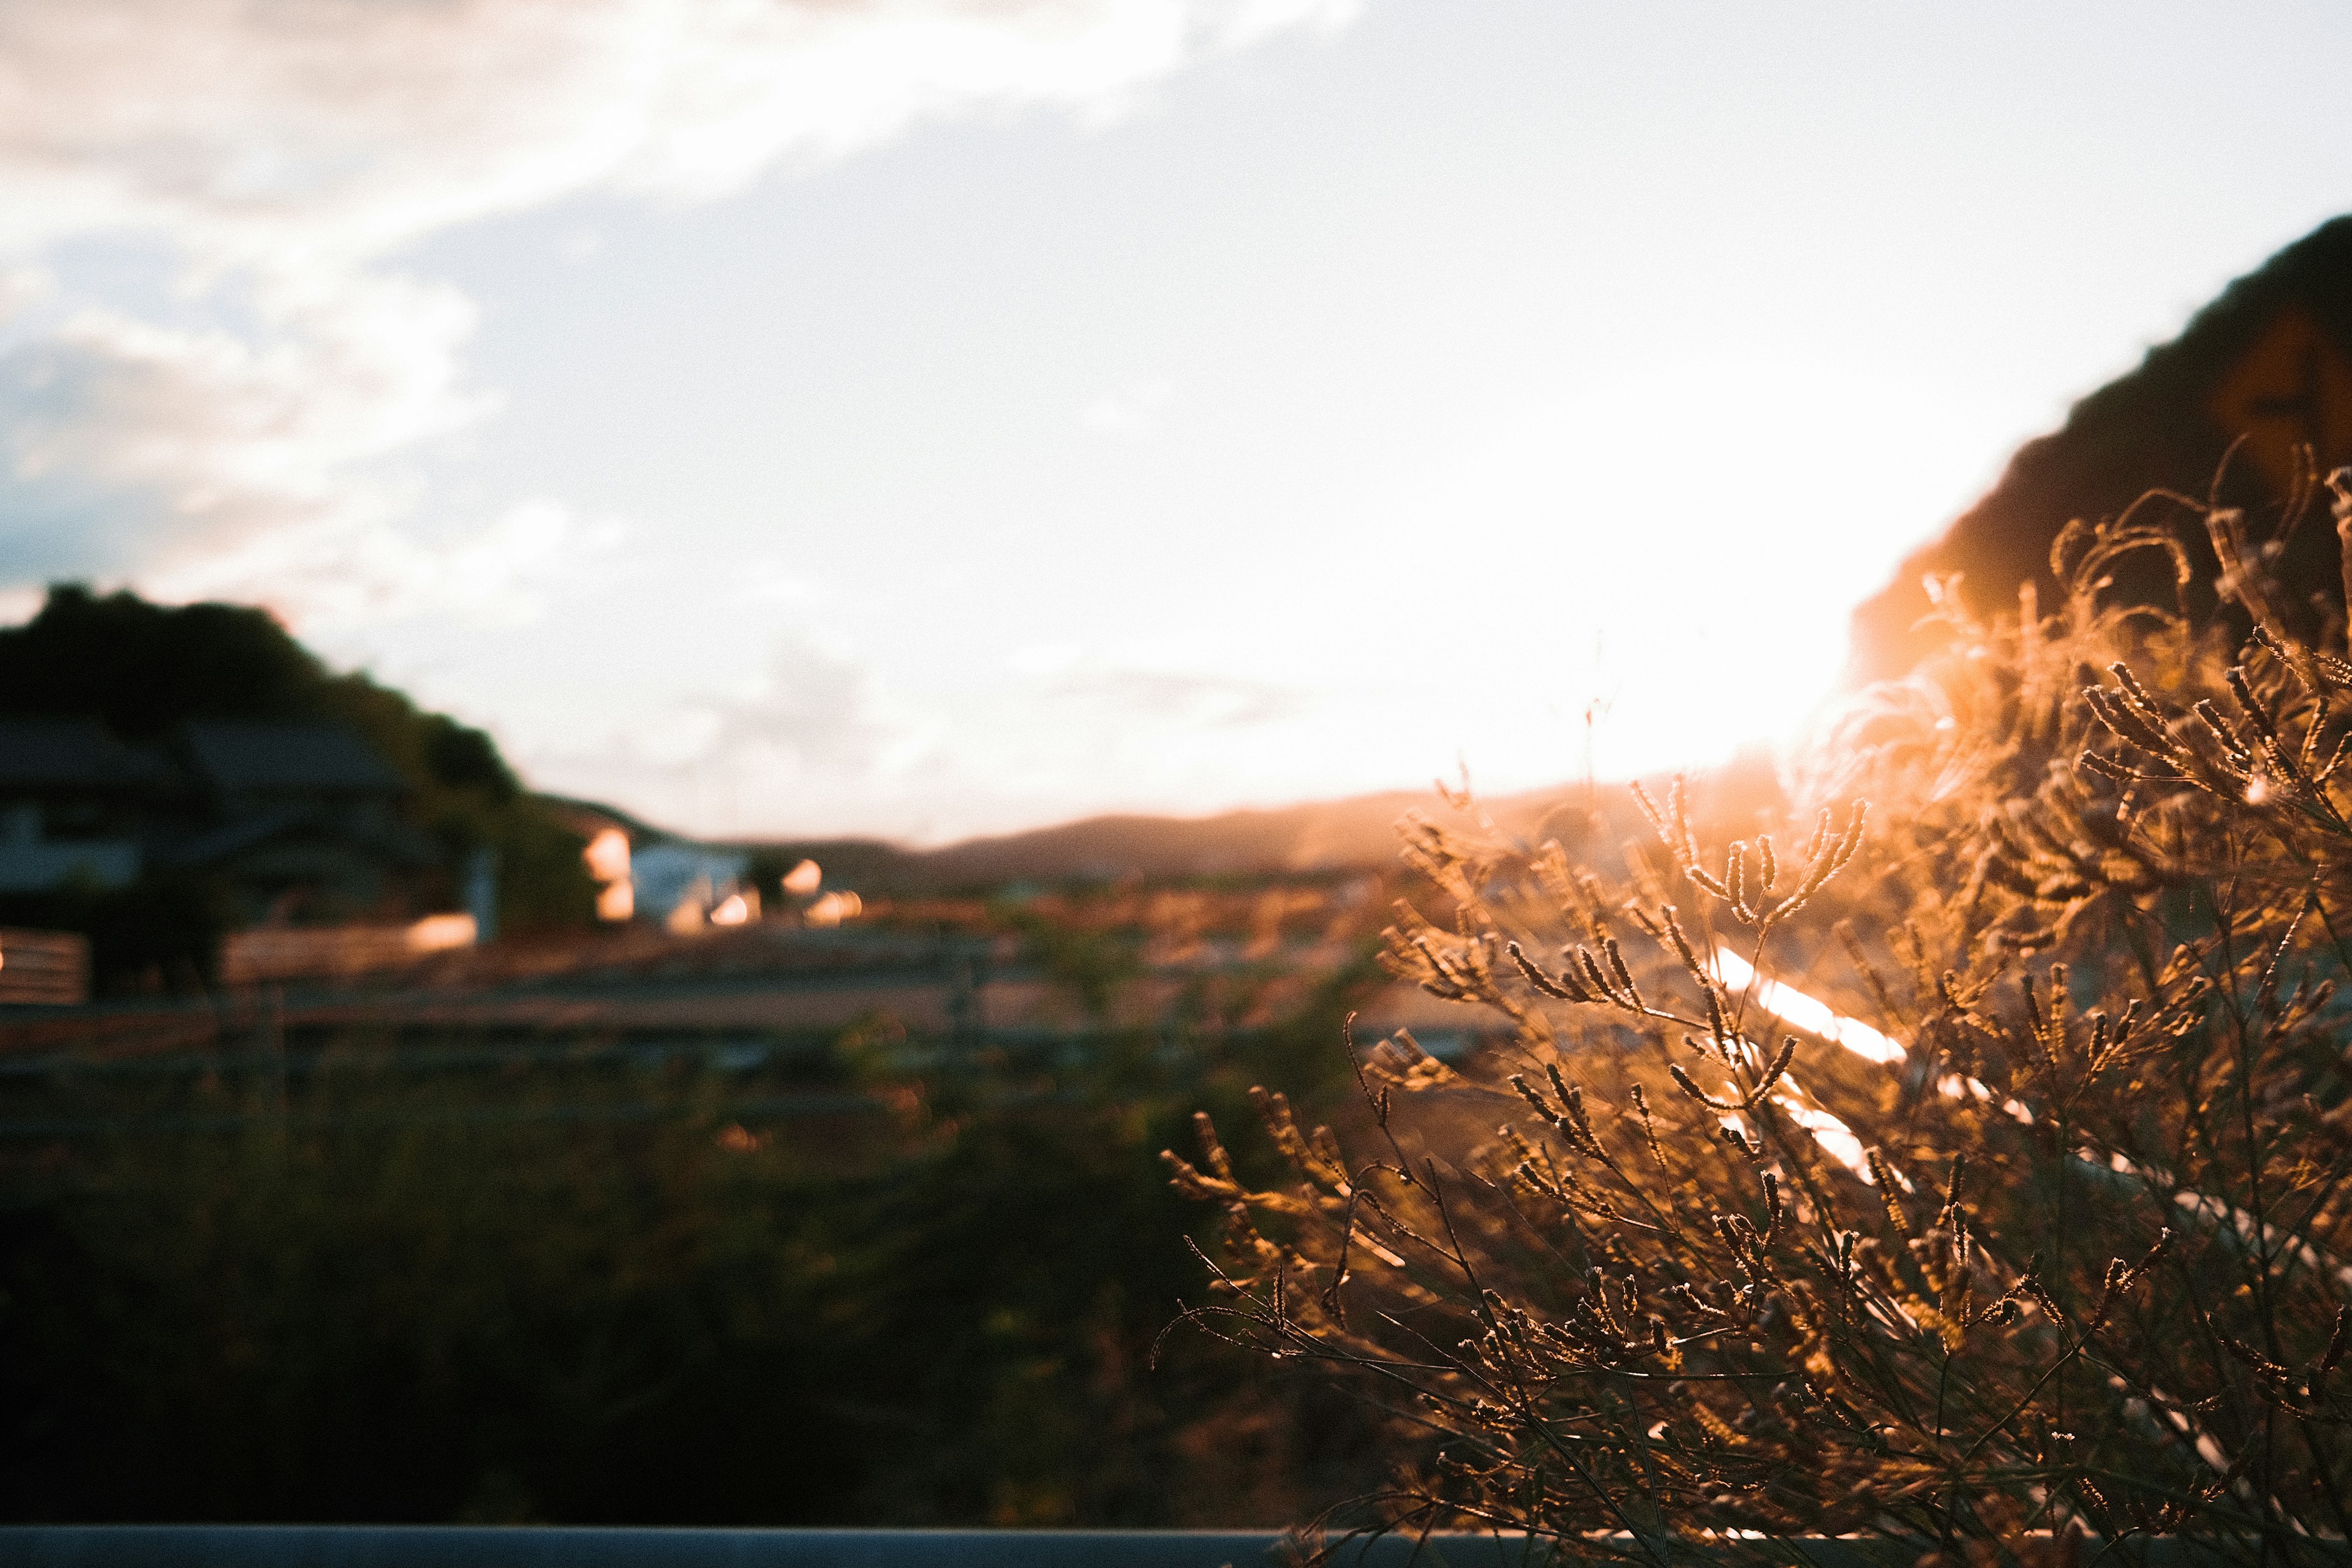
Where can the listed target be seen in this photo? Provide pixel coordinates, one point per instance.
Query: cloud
(820, 743)
(1160, 699)
(353, 125)
(815, 737)
(507, 571)
(21, 289)
(1134, 410)
(817, 711)
(182, 441)
(280, 152)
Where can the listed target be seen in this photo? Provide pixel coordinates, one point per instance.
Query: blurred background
(680, 673)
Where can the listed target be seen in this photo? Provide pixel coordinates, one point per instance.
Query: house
(75, 805)
(645, 873)
(680, 882)
(300, 821)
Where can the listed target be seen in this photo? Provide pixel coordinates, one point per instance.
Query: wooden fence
(43, 968)
(337, 952)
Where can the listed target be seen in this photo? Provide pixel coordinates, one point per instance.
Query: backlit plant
(1958, 1170)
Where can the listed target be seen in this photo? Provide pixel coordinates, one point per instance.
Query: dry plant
(1971, 1178)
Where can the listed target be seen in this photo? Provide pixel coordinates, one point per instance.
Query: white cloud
(210, 419)
(506, 571)
(815, 728)
(279, 152)
(209, 452)
(1134, 410)
(1162, 699)
(347, 126)
(22, 288)
(820, 742)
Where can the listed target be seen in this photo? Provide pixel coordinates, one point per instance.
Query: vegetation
(910, 1281)
(2236, 371)
(1976, 1170)
(422, 1317)
(146, 668)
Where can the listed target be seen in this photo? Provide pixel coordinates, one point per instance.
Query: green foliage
(364, 1297)
(1978, 1171)
(1089, 962)
(146, 667)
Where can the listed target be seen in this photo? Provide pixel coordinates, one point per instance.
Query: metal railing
(367, 1546)
(489, 1546)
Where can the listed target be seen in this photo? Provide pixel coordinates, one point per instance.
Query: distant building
(645, 873)
(680, 883)
(250, 767)
(302, 820)
(75, 805)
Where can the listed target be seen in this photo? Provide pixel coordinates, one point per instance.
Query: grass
(397, 1274)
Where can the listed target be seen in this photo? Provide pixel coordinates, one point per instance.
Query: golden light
(607, 858)
(1678, 556)
(804, 880)
(440, 933)
(1799, 1011)
(616, 902)
(834, 908)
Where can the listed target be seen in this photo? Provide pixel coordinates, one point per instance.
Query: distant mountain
(1326, 837)
(1335, 835)
(1354, 834)
(2269, 361)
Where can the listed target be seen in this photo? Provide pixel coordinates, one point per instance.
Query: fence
(337, 952)
(44, 969)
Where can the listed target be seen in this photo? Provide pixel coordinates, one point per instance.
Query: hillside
(2270, 361)
(1318, 838)
(1322, 836)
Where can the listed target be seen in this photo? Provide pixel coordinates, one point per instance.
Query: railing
(439, 1546)
(362, 1546)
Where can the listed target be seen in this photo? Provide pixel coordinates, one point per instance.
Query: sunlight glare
(1685, 553)
(1799, 1011)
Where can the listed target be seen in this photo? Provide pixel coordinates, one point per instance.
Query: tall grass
(358, 1276)
(1958, 1170)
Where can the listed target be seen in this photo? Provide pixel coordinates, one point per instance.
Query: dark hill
(2269, 361)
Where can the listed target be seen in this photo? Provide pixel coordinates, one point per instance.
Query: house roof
(241, 758)
(71, 753)
(395, 842)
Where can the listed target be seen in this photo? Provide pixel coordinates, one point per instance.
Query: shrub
(1976, 1170)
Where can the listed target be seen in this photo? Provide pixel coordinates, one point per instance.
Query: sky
(935, 417)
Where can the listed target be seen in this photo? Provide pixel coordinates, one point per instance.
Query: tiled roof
(239, 758)
(71, 753)
(395, 842)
